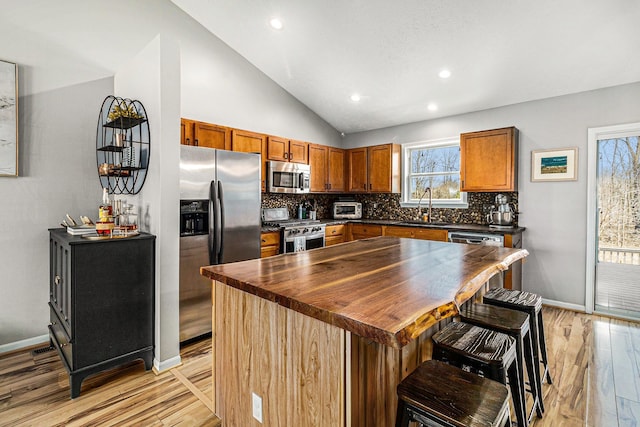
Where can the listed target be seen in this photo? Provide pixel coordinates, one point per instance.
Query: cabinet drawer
(334, 240)
(334, 230)
(267, 251)
(270, 238)
(60, 338)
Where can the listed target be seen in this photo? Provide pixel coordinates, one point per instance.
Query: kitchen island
(323, 337)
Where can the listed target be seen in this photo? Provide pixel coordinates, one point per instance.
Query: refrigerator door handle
(213, 223)
(219, 237)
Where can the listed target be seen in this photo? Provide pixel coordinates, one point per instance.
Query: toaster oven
(347, 210)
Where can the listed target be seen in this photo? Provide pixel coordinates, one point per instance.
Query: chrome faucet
(420, 216)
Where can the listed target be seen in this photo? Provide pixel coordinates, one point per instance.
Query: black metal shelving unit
(123, 145)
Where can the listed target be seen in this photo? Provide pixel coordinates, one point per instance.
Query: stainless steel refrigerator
(219, 223)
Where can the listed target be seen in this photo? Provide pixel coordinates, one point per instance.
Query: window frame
(406, 201)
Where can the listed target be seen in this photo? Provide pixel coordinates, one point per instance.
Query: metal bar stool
(515, 324)
(531, 304)
(484, 352)
(438, 395)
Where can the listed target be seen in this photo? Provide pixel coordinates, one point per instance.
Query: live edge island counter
(323, 337)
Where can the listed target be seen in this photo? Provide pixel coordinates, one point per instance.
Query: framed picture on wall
(554, 165)
(8, 119)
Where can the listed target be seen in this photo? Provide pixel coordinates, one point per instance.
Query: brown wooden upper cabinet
(374, 169)
(287, 150)
(251, 142)
(488, 160)
(201, 134)
(327, 168)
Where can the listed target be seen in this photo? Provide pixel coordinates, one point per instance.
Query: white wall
(68, 53)
(154, 76)
(554, 213)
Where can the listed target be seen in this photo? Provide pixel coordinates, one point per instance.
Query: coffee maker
(501, 214)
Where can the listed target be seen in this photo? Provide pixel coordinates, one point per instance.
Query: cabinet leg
(148, 360)
(75, 382)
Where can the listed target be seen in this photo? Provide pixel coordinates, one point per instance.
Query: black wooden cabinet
(101, 300)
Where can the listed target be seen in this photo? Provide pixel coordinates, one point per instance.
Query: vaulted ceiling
(499, 52)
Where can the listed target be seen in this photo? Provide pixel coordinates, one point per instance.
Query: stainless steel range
(297, 234)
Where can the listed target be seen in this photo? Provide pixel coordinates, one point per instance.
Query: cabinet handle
(64, 344)
(286, 155)
(57, 280)
(195, 142)
(264, 241)
(329, 186)
(188, 141)
(369, 186)
(364, 186)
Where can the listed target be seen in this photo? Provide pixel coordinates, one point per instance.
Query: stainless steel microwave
(347, 210)
(287, 177)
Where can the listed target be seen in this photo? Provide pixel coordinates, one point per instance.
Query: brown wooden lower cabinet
(269, 244)
(334, 234)
(417, 233)
(364, 231)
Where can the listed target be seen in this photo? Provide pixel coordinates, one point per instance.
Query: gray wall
(57, 175)
(553, 212)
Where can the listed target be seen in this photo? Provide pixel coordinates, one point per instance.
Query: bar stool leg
(402, 417)
(534, 375)
(517, 391)
(543, 348)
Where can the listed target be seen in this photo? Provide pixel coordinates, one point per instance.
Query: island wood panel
(293, 362)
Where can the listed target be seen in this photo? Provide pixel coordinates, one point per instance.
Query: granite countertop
(478, 228)
(386, 289)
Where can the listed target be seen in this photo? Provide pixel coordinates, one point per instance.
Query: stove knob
(306, 230)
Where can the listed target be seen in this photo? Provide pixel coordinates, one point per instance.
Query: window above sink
(434, 164)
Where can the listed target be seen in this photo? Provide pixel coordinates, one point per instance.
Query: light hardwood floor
(594, 361)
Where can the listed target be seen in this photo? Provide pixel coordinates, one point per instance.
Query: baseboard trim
(19, 345)
(565, 305)
(159, 366)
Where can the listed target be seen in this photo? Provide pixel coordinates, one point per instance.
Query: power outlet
(257, 407)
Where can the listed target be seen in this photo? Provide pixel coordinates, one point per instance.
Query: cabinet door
(487, 160)
(278, 149)
(336, 170)
(334, 234)
(186, 131)
(298, 152)
(379, 157)
(396, 231)
(358, 170)
(318, 163)
(60, 282)
(251, 142)
(212, 136)
(431, 234)
(364, 231)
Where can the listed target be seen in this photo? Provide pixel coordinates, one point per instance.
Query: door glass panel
(617, 288)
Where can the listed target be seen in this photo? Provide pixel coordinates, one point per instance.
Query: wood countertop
(386, 289)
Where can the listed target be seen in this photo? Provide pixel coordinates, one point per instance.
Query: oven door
(303, 243)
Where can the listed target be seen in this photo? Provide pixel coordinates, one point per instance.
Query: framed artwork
(8, 119)
(554, 165)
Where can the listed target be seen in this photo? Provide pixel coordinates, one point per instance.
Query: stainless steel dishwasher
(487, 239)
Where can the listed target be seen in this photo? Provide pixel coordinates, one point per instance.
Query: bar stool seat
(531, 304)
(437, 394)
(484, 352)
(515, 324)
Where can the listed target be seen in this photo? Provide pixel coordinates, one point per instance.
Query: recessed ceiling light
(444, 74)
(276, 24)
(355, 97)
(432, 107)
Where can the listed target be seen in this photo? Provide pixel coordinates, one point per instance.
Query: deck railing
(619, 255)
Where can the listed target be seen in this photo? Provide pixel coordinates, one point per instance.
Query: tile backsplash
(387, 206)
